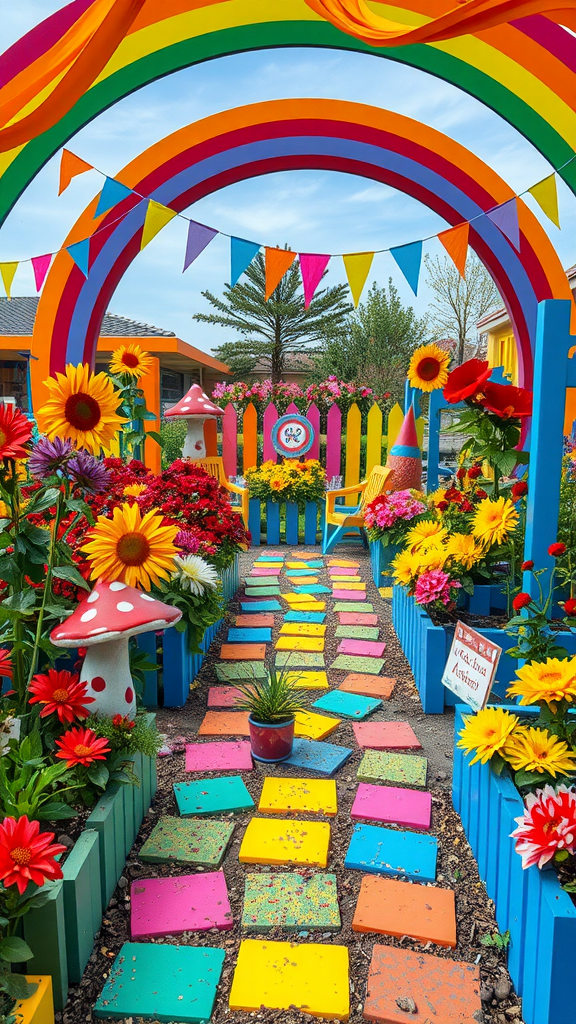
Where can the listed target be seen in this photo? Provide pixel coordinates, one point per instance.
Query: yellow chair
(345, 518)
(214, 466)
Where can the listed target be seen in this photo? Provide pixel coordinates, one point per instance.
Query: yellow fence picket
(353, 432)
(374, 438)
(250, 437)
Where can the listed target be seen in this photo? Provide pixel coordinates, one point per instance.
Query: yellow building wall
(502, 351)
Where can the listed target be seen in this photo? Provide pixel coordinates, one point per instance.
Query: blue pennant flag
(241, 255)
(80, 253)
(409, 257)
(112, 193)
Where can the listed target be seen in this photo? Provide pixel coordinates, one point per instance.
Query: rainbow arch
(281, 135)
(524, 70)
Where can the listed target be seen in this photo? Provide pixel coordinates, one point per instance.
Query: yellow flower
(494, 520)
(537, 750)
(551, 681)
(431, 556)
(437, 496)
(405, 566)
(133, 490)
(425, 532)
(138, 550)
(486, 732)
(82, 407)
(277, 483)
(132, 360)
(464, 549)
(428, 368)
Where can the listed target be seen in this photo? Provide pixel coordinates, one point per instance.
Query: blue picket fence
(282, 522)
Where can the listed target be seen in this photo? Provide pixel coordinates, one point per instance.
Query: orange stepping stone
(390, 907)
(243, 652)
(265, 620)
(368, 686)
(444, 991)
(224, 723)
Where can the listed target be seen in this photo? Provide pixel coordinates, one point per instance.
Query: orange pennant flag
(455, 241)
(278, 261)
(70, 166)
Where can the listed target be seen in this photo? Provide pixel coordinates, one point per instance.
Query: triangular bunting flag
(40, 266)
(505, 217)
(357, 265)
(112, 193)
(80, 253)
(199, 236)
(546, 195)
(409, 257)
(7, 270)
(455, 241)
(312, 266)
(70, 166)
(278, 261)
(157, 216)
(241, 255)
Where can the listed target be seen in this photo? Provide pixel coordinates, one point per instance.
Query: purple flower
(49, 456)
(187, 541)
(88, 473)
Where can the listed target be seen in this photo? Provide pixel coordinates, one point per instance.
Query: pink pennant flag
(312, 266)
(40, 266)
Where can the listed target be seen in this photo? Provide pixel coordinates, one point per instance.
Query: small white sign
(471, 666)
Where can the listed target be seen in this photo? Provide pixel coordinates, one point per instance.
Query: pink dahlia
(548, 825)
(434, 585)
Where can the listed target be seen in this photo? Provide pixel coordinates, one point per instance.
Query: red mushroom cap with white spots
(112, 610)
(194, 403)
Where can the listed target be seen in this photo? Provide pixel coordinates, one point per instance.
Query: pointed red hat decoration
(404, 458)
(406, 443)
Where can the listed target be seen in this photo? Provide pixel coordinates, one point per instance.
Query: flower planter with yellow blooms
(298, 486)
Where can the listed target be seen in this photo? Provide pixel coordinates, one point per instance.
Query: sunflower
(537, 750)
(82, 408)
(494, 520)
(130, 359)
(134, 490)
(486, 732)
(551, 680)
(135, 549)
(424, 533)
(430, 557)
(464, 549)
(405, 566)
(428, 368)
(15, 432)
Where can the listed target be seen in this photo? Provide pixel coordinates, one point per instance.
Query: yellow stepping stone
(305, 680)
(349, 586)
(274, 841)
(343, 563)
(300, 643)
(303, 629)
(313, 796)
(310, 726)
(293, 598)
(317, 606)
(297, 565)
(281, 976)
(346, 579)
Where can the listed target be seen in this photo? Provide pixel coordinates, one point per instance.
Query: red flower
(442, 506)
(5, 663)
(465, 380)
(507, 401)
(122, 722)
(527, 565)
(557, 549)
(26, 856)
(521, 600)
(60, 692)
(548, 825)
(519, 489)
(15, 432)
(480, 493)
(466, 506)
(454, 495)
(461, 473)
(474, 472)
(570, 606)
(82, 746)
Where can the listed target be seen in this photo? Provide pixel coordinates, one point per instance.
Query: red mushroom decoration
(103, 622)
(195, 407)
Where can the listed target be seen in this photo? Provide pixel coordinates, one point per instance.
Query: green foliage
(133, 406)
(489, 438)
(198, 612)
(272, 700)
(30, 785)
(496, 940)
(173, 434)
(142, 737)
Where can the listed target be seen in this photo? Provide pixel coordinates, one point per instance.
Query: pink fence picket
(313, 414)
(230, 440)
(270, 418)
(333, 442)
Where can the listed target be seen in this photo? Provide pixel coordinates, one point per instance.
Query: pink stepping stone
(365, 648)
(258, 570)
(349, 595)
(223, 696)
(386, 735)
(390, 804)
(221, 756)
(336, 570)
(186, 903)
(357, 619)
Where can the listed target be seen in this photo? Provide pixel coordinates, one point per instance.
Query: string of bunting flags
(408, 257)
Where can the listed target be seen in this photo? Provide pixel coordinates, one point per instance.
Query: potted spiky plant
(272, 703)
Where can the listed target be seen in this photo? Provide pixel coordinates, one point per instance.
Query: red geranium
(464, 381)
(521, 600)
(15, 432)
(507, 401)
(527, 565)
(570, 606)
(82, 746)
(557, 549)
(461, 473)
(26, 856)
(480, 493)
(5, 663)
(62, 693)
(519, 489)
(474, 472)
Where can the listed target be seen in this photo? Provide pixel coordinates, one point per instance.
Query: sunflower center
(550, 677)
(129, 359)
(21, 855)
(82, 411)
(81, 751)
(60, 695)
(133, 549)
(428, 368)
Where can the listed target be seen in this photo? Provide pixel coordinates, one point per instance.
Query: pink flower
(548, 825)
(434, 585)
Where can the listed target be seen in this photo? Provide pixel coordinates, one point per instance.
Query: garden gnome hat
(404, 457)
(195, 407)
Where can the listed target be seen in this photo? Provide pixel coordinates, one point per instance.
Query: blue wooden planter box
(531, 904)
(381, 557)
(313, 522)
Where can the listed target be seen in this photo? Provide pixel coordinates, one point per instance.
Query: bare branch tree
(459, 303)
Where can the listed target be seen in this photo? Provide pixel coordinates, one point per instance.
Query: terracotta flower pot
(271, 743)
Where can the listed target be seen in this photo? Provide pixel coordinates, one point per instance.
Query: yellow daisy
(82, 408)
(133, 490)
(131, 359)
(537, 750)
(551, 680)
(431, 556)
(135, 549)
(464, 549)
(404, 567)
(428, 368)
(425, 532)
(494, 521)
(486, 732)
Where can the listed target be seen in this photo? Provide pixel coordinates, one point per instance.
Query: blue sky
(313, 211)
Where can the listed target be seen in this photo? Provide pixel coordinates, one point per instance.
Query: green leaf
(71, 574)
(155, 435)
(56, 811)
(524, 778)
(98, 775)
(15, 950)
(15, 985)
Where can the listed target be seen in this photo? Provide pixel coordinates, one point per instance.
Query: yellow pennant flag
(157, 216)
(546, 195)
(357, 265)
(7, 270)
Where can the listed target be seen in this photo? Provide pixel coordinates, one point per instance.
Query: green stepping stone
(353, 606)
(212, 796)
(240, 670)
(382, 766)
(262, 581)
(261, 591)
(162, 983)
(186, 841)
(299, 659)
(355, 663)
(290, 901)
(357, 632)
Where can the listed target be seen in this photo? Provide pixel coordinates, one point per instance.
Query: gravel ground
(456, 865)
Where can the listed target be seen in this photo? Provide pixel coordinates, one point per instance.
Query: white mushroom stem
(106, 670)
(194, 446)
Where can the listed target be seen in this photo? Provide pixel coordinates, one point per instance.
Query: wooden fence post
(333, 442)
(270, 418)
(230, 440)
(250, 437)
(374, 438)
(313, 414)
(353, 434)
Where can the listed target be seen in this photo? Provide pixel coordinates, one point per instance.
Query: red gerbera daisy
(60, 692)
(5, 663)
(82, 746)
(26, 856)
(465, 380)
(548, 825)
(507, 401)
(15, 432)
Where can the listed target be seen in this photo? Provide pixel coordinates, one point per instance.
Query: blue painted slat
(291, 523)
(315, 519)
(176, 674)
(272, 522)
(254, 521)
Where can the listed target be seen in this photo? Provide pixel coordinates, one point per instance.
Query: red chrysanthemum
(5, 663)
(527, 565)
(60, 693)
(480, 493)
(548, 825)
(465, 380)
(507, 401)
(519, 489)
(521, 600)
(557, 549)
(82, 746)
(474, 472)
(461, 473)
(26, 856)
(15, 432)
(570, 606)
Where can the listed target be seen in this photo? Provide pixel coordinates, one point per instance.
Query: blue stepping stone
(299, 572)
(260, 606)
(293, 616)
(324, 758)
(212, 796)
(312, 588)
(383, 851)
(250, 636)
(348, 705)
(162, 983)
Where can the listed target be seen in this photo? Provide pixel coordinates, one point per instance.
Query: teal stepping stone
(348, 705)
(294, 616)
(225, 673)
(356, 663)
(248, 635)
(162, 983)
(290, 901)
(212, 796)
(268, 558)
(262, 581)
(383, 766)
(357, 632)
(312, 588)
(262, 591)
(299, 659)
(316, 564)
(353, 606)
(315, 756)
(384, 851)
(299, 572)
(185, 841)
(252, 607)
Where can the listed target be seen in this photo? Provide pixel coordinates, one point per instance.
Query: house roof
(17, 316)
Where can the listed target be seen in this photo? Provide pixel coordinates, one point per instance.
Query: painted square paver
(265, 581)
(444, 991)
(385, 851)
(300, 643)
(357, 619)
(380, 766)
(224, 723)
(344, 594)
(243, 652)
(221, 756)
(283, 976)
(343, 563)
(264, 570)
(392, 806)
(297, 600)
(386, 736)
(352, 663)
(298, 616)
(249, 635)
(187, 841)
(368, 685)
(249, 607)
(212, 796)
(302, 629)
(357, 632)
(354, 585)
(186, 903)
(349, 705)
(313, 605)
(281, 841)
(162, 983)
(300, 679)
(297, 573)
(242, 670)
(350, 606)
(299, 659)
(262, 591)
(305, 580)
(339, 570)
(339, 581)
(255, 621)
(390, 907)
(289, 901)
(313, 563)
(224, 697)
(314, 727)
(362, 648)
(311, 796)
(312, 588)
(324, 758)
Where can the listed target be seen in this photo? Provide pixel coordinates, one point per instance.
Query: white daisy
(194, 574)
